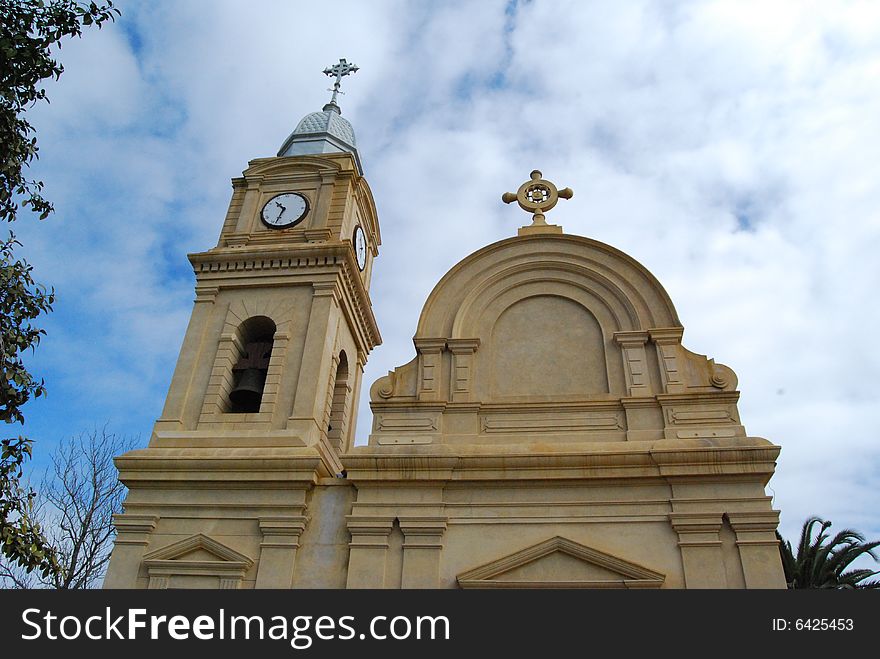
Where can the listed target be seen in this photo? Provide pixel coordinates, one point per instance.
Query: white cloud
(730, 147)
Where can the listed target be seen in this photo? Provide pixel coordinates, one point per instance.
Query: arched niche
(544, 347)
(545, 334)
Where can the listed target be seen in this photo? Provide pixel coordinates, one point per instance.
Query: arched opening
(249, 372)
(338, 403)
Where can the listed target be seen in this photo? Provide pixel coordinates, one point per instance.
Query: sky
(730, 147)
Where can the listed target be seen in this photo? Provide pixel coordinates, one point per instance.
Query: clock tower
(263, 399)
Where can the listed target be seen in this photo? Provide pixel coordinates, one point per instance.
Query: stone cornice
(231, 468)
(712, 396)
(221, 263)
(750, 458)
(407, 404)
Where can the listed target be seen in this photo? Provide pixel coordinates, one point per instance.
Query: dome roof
(327, 121)
(322, 132)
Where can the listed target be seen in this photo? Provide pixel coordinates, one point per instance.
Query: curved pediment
(284, 166)
(609, 283)
(549, 338)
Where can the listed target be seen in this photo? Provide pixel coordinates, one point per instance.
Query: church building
(551, 430)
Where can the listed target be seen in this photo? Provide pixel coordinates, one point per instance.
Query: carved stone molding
(282, 531)
(170, 563)
(369, 531)
(423, 532)
(134, 529)
(614, 571)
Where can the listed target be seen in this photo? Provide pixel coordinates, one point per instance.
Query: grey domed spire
(325, 131)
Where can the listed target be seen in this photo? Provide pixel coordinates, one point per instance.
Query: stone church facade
(551, 430)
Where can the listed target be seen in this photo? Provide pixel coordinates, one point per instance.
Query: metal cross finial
(537, 196)
(339, 70)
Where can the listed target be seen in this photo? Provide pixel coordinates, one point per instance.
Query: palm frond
(854, 576)
(821, 562)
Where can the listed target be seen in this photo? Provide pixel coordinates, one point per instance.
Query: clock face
(284, 210)
(360, 248)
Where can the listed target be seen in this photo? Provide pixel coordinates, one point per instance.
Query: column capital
(423, 532)
(633, 338)
(429, 346)
(329, 289)
(666, 335)
(206, 293)
(134, 529)
(463, 346)
(697, 529)
(282, 531)
(754, 521)
(369, 531)
(131, 523)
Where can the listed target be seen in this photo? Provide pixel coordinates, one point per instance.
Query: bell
(252, 368)
(248, 392)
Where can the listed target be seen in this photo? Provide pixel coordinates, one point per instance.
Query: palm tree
(821, 565)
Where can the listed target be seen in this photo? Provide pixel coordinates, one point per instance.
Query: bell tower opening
(336, 424)
(249, 372)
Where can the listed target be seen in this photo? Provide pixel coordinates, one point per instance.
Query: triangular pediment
(198, 549)
(560, 563)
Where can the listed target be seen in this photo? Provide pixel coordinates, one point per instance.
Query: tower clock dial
(285, 210)
(360, 248)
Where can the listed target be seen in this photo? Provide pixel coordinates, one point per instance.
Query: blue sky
(729, 146)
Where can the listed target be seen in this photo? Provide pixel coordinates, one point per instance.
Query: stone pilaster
(309, 402)
(422, 545)
(462, 381)
(758, 548)
(700, 543)
(132, 537)
(368, 550)
(278, 550)
(635, 362)
(430, 367)
(668, 344)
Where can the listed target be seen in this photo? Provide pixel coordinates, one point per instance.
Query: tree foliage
(21, 536)
(821, 564)
(21, 301)
(31, 28)
(77, 498)
(29, 32)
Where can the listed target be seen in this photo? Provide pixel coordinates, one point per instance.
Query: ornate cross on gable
(537, 196)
